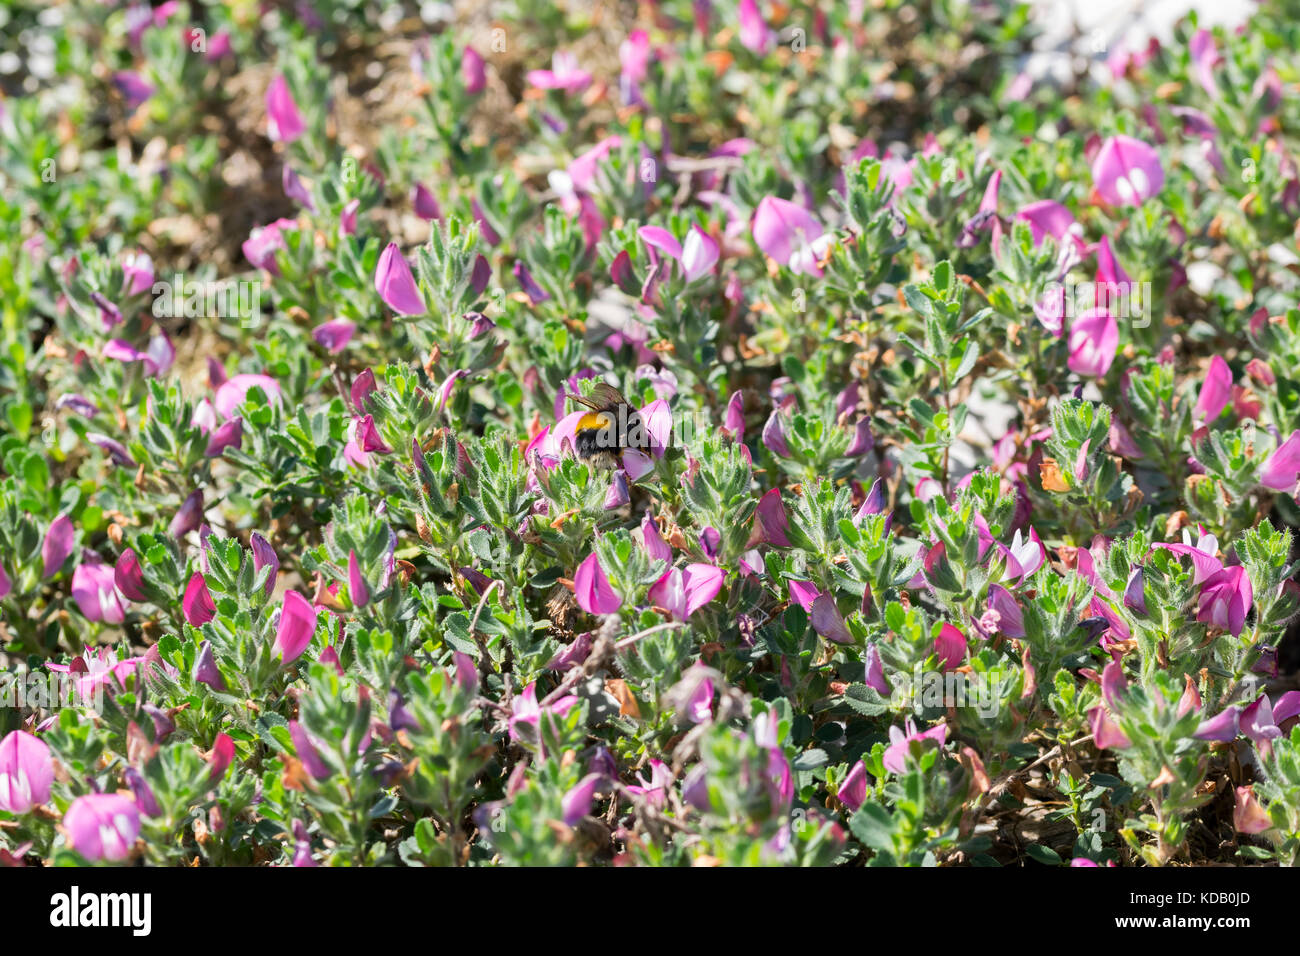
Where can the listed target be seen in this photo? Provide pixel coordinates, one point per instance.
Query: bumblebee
(612, 426)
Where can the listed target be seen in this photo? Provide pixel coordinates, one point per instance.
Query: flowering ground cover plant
(724, 433)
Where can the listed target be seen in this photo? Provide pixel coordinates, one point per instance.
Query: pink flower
(426, 206)
(1247, 814)
(95, 593)
(1094, 339)
(473, 71)
(396, 285)
(102, 826)
(652, 542)
(1026, 554)
(592, 589)
(1281, 469)
(284, 121)
(1127, 172)
(1011, 620)
(634, 60)
(228, 435)
(348, 218)
(26, 772)
(1205, 56)
(1216, 390)
(262, 243)
(772, 520)
(754, 32)
(526, 711)
(564, 74)
(789, 234)
(1225, 598)
(1105, 732)
(128, 576)
(683, 591)
(950, 647)
(576, 803)
(197, 603)
(655, 787)
(137, 273)
(853, 788)
(133, 87)
(900, 743)
(56, 547)
(296, 628)
(232, 392)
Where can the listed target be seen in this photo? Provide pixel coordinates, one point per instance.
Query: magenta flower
(733, 424)
(188, 516)
(284, 121)
(206, 670)
(102, 826)
(576, 803)
(900, 745)
(334, 335)
(94, 591)
(790, 234)
(232, 392)
(950, 647)
(1205, 56)
(774, 435)
(827, 621)
(1127, 172)
(754, 32)
(526, 711)
(295, 189)
(228, 435)
(1258, 722)
(264, 241)
(592, 589)
(634, 61)
(1247, 814)
(1281, 470)
(1216, 390)
(197, 603)
(1223, 727)
(1010, 619)
(296, 628)
(426, 206)
(875, 672)
(473, 71)
(133, 87)
(1026, 555)
(803, 593)
(1105, 732)
(564, 74)
(1225, 598)
(357, 589)
(57, 545)
(308, 754)
(396, 285)
(683, 591)
(1094, 339)
(26, 772)
(655, 787)
(264, 556)
(853, 788)
(772, 521)
(128, 576)
(348, 218)
(652, 542)
(137, 272)
(223, 752)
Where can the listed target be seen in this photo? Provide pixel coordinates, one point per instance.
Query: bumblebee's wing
(603, 396)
